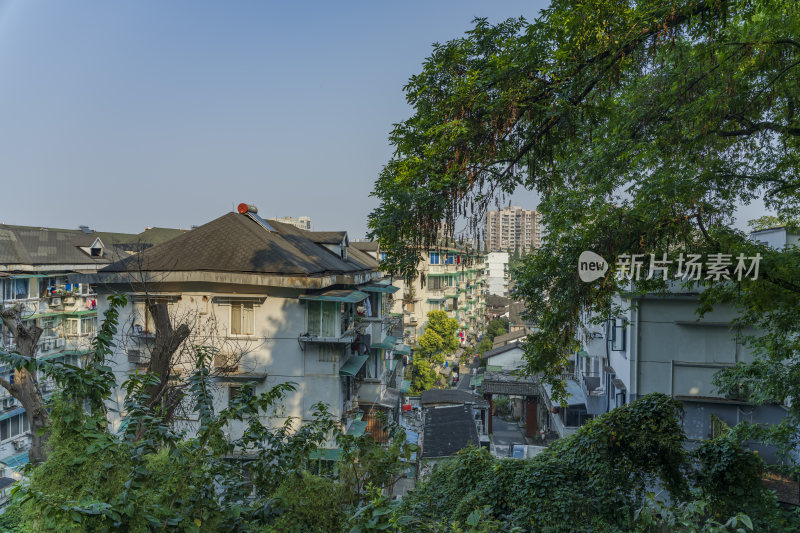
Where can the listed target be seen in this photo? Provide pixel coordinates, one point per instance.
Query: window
(71, 326)
(96, 252)
(233, 393)
(241, 318)
(409, 307)
(616, 334)
(89, 325)
(49, 326)
(382, 256)
(435, 283)
(14, 426)
(321, 318)
(450, 259)
(14, 289)
(344, 253)
(434, 258)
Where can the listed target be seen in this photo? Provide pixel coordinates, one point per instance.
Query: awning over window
(403, 349)
(357, 428)
(390, 289)
(339, 295)
(14, 412)
(387, 343)
(353, 365)
(16, 461)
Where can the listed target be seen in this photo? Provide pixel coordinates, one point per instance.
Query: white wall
(497, 264)
(279, 320)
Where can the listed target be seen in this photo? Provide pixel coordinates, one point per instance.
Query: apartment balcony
(442, 269)
(345, 338)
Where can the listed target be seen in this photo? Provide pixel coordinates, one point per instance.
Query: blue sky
(121, 115)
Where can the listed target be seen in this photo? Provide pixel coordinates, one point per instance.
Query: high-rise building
(512, 229)
(300, 222)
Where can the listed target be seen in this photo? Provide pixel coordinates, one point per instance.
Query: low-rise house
(278, 304)
(448, 429)
(35, 265)
(448, 397)
(505, 357)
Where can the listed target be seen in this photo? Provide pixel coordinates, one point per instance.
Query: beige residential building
(451, 279)
(513, 228)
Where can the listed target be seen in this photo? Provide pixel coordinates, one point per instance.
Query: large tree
(642, 125)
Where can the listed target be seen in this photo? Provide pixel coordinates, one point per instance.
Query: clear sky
(126, 114)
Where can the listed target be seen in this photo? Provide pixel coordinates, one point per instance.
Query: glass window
(241, 318)
(71, 326)
(4, 429)
(329, 315)
(450, 259)
(13, 426)
(435, 282)
(89, 325)
(434, 258)
(321, 317)
(617, 335)
(49, 326)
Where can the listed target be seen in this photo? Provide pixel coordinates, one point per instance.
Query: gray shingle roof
(236, 243)
(454, 396)
(448, 430)
(30, 245)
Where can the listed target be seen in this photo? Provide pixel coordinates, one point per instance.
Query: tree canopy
(439, 338)
(642, 125)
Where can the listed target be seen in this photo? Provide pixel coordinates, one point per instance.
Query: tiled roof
(454, 396)
(236, 243)
(448, 430)
(365, 246)
(502, 349)
(30, 245)
(508, 337)
(509, 383)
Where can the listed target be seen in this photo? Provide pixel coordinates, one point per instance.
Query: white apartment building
(497, 273)
(281, 305)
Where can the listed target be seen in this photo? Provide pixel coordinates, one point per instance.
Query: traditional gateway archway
(509, 384)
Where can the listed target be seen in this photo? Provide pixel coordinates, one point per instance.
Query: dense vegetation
(642, 125)
(601, 478)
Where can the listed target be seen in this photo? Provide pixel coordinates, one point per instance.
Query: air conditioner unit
(19, 444)
(46, 346)
(59, 343)
(226, 363)
(55, 302)
(8, 403)
(135, 357)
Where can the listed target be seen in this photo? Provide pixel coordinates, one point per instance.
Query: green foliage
(484, 346)
(309, 504)
(423, 375)
(643, 126)
(151, 476)
(439, 338)
(594, 480)
(502, 405)
(497, 327)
